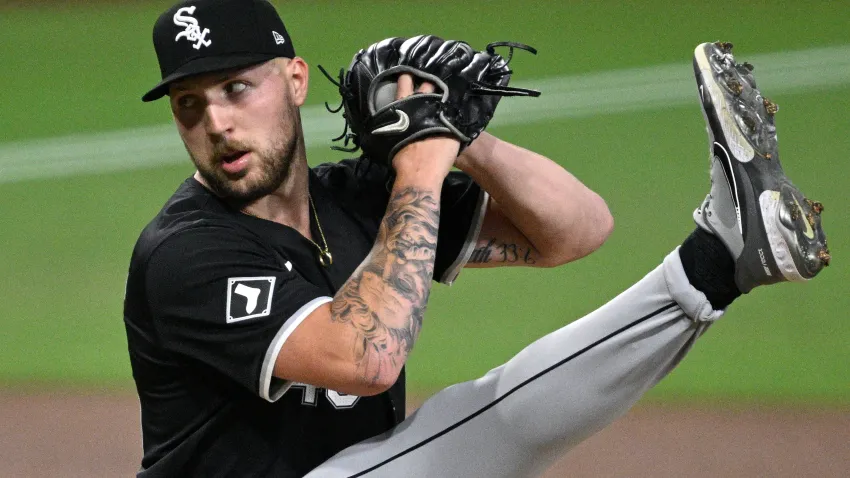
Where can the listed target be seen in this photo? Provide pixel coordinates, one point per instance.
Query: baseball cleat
(772, 231)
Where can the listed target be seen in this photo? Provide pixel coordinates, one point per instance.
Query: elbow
(599, 224)
(373, 390)
(362, 388)
(604, 225)
(367, 383)
(376, 387)
(585, 236)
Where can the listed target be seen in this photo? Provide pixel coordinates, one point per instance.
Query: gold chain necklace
(325, 257)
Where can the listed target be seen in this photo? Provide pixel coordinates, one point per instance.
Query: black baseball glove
(468, 86)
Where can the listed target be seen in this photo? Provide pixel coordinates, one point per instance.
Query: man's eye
(187, 101)
(235, 87)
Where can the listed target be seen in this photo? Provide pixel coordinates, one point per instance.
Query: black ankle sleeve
(709, 268)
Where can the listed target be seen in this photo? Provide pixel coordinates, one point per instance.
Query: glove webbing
(477, 88)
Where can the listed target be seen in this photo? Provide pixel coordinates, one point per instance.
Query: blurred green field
(82, 68)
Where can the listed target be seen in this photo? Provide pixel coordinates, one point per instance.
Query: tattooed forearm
(385, 298)
(504, 252)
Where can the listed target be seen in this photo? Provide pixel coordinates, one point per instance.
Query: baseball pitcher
(271, 306)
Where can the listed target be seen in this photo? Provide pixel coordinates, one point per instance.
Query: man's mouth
(234, 163)
(232, 156)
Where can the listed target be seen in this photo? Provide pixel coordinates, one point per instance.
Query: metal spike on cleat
(824, 256)
(749, 122)
(770, 106)
(810, 217)
(793, 210)
(748, 66)
(724, 46)
(735, 86)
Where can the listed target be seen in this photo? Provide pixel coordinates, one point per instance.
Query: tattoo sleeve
(385, 299)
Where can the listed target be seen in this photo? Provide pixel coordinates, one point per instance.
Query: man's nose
(218, 120)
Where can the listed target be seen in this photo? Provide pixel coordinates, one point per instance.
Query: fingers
(405, 86)
(425, 87)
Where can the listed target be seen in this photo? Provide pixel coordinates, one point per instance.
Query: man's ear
(299, 74)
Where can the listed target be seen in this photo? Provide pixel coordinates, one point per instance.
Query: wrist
(428, 160)
(479, 150)
(419, 178)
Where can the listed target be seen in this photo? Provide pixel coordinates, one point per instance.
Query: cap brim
(205, 65)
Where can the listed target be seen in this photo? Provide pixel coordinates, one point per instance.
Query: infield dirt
(96, 435)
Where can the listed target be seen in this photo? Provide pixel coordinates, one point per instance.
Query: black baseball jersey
(212, 295)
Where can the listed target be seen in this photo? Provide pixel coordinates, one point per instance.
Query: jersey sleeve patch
(249, 298)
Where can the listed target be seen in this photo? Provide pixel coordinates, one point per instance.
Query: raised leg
(520, 417)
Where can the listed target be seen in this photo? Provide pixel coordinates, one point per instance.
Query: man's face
(241, 128)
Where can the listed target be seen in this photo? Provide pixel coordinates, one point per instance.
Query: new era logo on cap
(249, 297)
(278, 38)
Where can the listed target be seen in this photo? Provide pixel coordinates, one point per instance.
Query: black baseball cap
(202, 36)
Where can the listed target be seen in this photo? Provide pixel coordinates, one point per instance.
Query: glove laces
(497, 62)
(346, 94)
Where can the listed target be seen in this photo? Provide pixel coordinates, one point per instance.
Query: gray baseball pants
(519, 418)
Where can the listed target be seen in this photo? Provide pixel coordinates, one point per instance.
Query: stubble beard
(273, 164)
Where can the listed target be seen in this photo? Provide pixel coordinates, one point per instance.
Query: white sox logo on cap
(203, 36)
(193, 31)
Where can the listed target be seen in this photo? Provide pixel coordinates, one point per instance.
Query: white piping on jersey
(465, 253)
(266, 372)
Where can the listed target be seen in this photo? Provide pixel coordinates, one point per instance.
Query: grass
(66, 242)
